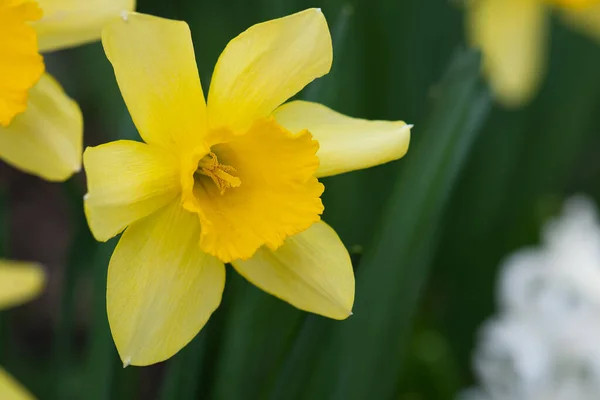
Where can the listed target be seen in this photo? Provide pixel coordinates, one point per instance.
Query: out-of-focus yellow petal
(266, 65)
(68, 23)
(586, 20)
(161, 287)
(512, 36)
(345, 144)
(45, 140)
(312, 271)
(156, 70)
(573, 4)
(19, 283)
(276, 194)
(127, 181)
(20, 63)
(10, 389)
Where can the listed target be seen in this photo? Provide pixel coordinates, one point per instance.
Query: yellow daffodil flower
(229, 180)
(512, 35)
(40, 126)
(19, 283)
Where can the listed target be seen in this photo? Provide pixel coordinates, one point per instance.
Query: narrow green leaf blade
(393, 272)
(352, 363)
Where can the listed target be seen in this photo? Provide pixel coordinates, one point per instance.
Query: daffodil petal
(127, 181)
(10, 389)
(154, 63)
(161, 287)
(587, 20)
(46, 139)
(345, 143)
(312, 271)
(68, 23)
(19, 282)
(267, 64)
(573, 4)
(512, 36)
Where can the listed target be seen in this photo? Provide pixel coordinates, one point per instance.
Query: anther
(223, 176)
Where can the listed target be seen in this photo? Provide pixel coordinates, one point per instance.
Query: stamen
(222, 175)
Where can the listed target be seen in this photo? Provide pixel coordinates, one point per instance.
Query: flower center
(253, 189)
(21, 64)
(223, 176)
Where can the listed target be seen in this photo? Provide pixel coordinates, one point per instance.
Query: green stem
(4, 243)
(81, 251)
(183, 372)
(101, 356)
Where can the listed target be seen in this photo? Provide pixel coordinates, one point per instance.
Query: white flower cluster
(545, 342)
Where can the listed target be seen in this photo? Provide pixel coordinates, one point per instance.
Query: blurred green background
(426, 233)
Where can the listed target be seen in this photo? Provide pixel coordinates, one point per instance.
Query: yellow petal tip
(126, 362)
(350, 314)
(345, 143)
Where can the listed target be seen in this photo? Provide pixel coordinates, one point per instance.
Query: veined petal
(312, 271)
(512, 36)
(68, 23)
(345, 143)
(267, 64)
(156, 70)
(10, 389)
(20, 64)
(19, 282)
(45, 140)
(585, 19)
(127, 181)
(161, 287)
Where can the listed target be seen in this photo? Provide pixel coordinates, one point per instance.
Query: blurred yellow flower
(574, 4)
(513, 35)
(40, 127)
(229, 180)
(19, 283)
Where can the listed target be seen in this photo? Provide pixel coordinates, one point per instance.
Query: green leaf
(101, 354)
(183, 371)
(81, 251)
(353, 363)
(4, 237)
(256, 335)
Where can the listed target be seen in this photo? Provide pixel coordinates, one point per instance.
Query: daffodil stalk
(41, 128)
(233, 179)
